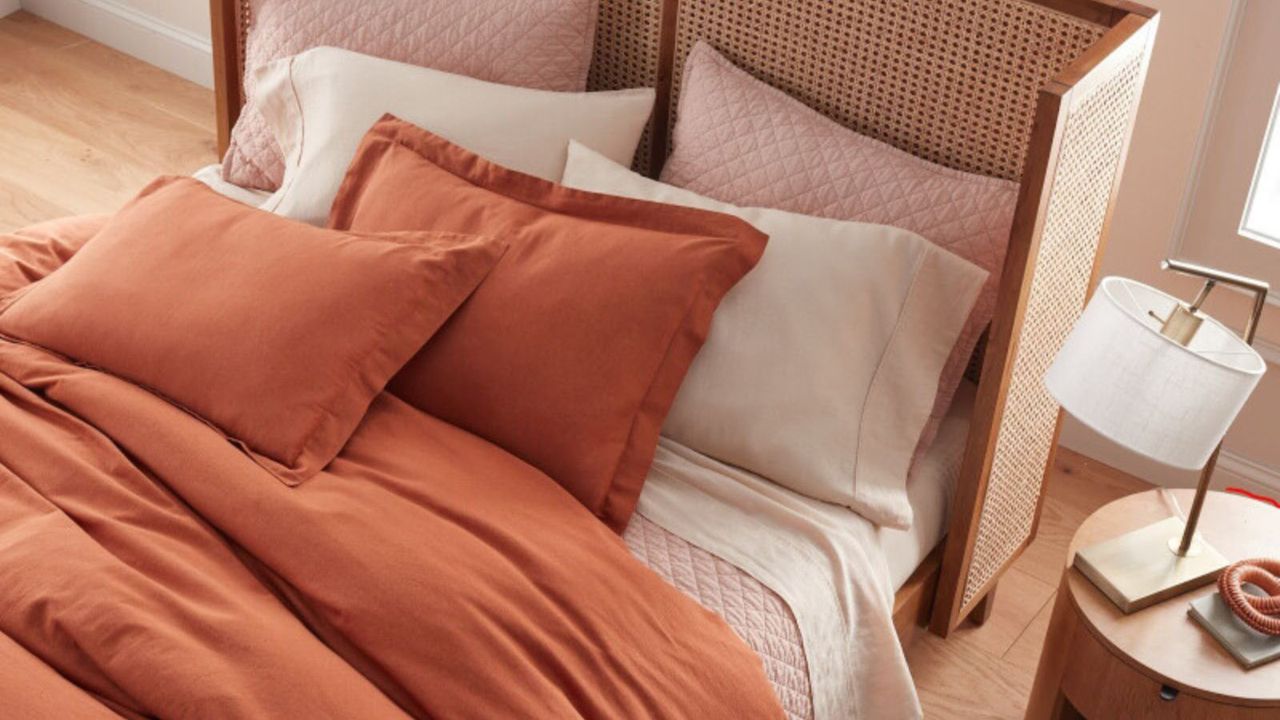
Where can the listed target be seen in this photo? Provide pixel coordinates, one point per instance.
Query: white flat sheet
(211, 175)
(823, 561)
(831, 566)
(930, 489)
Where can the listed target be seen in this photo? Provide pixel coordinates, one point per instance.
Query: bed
(1041, 94)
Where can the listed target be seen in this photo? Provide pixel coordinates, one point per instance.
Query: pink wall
(1208, 95)
(1230, 154)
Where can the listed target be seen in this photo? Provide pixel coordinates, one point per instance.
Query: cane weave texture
(951, 81)
(1097, 128)
(628, 41)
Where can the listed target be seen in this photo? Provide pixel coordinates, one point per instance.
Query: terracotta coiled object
(1262, 613)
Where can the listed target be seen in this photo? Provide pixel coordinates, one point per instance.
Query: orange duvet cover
(148, 568)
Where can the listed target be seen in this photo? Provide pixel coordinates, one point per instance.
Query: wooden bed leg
(982, 611)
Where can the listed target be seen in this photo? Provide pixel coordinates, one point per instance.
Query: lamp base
(1141, 568)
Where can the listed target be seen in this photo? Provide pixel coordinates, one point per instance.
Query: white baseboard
(171, 48)
(1232, 468)
(1242, 472)
(8, 7)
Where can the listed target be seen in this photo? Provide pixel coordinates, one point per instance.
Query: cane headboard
(1039, 91)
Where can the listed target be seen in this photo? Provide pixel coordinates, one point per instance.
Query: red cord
(1259, 498)
(1260, 613)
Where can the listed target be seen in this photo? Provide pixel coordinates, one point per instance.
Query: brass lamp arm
(1182, 326)
(1258, 288)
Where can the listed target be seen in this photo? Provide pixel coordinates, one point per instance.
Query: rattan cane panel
(244, 16)
(952, 81)
(1092, 148)
(628, 41)
(973, 371)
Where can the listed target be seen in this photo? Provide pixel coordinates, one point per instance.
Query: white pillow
(822, 363)
(320, 103)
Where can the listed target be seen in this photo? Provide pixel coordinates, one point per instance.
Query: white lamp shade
(1117, 374)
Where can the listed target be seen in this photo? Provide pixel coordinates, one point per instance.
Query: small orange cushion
(570, 353)
(277, 333)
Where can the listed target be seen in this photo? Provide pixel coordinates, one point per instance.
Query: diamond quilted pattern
(755, 612)
(741, 141)
(543, 44)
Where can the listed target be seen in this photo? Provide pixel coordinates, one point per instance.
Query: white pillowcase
(822, 363)
(320, 103)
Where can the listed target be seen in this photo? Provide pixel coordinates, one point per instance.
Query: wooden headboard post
(1039, 91)
(225, 17)
(659, 128)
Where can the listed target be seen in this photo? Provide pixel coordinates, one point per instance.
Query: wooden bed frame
(1043, 92)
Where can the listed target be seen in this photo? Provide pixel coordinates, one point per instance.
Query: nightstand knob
(1168, 694)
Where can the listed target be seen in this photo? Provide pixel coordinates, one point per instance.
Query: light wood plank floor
(83, 127)
(986, 672)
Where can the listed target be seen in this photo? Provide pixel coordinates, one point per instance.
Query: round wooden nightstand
(1156, 663)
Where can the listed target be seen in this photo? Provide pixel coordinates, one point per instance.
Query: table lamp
(1159, 377)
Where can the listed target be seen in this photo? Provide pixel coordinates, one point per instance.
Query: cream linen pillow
(739, 140)
(320, 103)
(822, 363)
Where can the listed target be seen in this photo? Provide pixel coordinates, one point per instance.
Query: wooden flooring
(986, 672)
(82, 127)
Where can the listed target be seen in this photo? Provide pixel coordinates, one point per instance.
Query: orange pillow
(570, 353)
(277, 333)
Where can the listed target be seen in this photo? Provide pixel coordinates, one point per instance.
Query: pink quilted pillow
(741, 141)
(543, 44)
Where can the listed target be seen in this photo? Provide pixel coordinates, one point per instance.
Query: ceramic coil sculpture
(1262, 613)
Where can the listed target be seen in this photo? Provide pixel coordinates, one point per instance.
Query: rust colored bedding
(570, 353)
(33, 252)
(150, 568)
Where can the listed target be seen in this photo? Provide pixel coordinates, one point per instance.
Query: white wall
(1231, 152)
(1197, 108)
(171, 34)
(191, 16)
(9, 6)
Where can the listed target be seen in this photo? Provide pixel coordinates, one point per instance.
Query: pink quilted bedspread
(754, 611)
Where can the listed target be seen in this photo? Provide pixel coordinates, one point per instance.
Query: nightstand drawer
(1101, 686)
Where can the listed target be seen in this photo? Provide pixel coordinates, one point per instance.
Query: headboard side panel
(952, 81)
(1084, 129)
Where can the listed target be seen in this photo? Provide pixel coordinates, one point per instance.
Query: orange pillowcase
(570, 353)
(277, 333)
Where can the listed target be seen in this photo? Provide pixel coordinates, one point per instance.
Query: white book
(1248, 646)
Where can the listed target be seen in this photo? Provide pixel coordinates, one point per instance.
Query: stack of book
(1248, 646)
